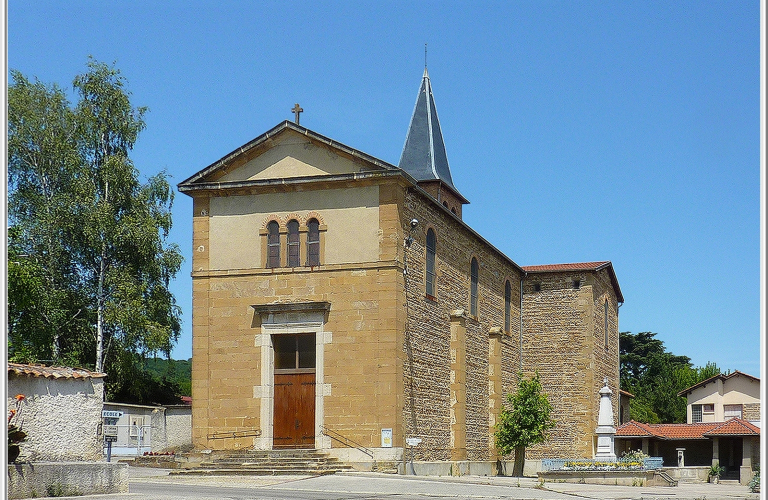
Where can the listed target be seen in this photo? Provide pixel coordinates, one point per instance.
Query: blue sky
(579, 131)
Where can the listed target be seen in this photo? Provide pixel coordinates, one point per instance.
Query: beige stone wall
(391, 356)
(430, 407)
(289, 155)
(362, 380)
(564, 341)
(351, 217)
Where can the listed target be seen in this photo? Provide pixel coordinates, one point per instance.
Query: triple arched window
(301, 241)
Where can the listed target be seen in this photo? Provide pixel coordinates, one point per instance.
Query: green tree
(656, 376)
(524, 421)
(92, 235)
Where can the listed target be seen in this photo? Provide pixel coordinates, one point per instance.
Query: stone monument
(605, 429)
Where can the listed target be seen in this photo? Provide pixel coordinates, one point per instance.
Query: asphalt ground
(158, 484)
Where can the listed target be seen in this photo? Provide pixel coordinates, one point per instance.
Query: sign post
(109, 429)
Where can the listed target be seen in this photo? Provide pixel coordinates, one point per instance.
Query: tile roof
(55, 372)
(576, 266)
(704, 430)
(580, 266)
(734, 427)
(723, 377)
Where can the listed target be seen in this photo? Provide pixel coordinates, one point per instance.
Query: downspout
(525, 274)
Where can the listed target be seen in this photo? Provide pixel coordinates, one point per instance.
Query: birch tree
(110, 228)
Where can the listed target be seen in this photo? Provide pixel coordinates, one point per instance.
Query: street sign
(413, 441)
(110, 430)
(111, 414)
(110, 439)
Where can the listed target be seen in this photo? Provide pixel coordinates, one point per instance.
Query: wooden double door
(294, 383)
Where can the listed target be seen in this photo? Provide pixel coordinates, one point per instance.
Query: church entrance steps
(267, 463)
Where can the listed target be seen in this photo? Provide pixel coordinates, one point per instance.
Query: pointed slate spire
(424, 155)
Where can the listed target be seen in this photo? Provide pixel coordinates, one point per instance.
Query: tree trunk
(517, 470)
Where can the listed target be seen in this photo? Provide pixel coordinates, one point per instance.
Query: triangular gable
(287, 151)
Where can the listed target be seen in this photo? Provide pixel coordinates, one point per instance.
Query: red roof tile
(54, 372)
(577, 266)
(733, 427)
(634, 429)
(580, 266)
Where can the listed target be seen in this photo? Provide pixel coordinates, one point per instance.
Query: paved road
(157, 484)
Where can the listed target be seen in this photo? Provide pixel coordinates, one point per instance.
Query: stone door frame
(290, 319)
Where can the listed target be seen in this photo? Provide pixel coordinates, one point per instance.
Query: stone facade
(388, 355)
(564, 341)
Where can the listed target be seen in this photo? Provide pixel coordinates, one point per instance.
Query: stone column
(495, 397)
(745, 472)
(605, 429)
(458, 387)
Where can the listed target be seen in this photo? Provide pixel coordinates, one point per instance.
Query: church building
(340, 303)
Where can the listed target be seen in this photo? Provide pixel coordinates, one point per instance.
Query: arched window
(474, 273)
(507, 306)
(293, 244)
(313, 243)
(273, 244)
(605, 327)
(431, 251)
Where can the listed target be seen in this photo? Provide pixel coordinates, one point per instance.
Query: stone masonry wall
(564, 342)
(428, 359)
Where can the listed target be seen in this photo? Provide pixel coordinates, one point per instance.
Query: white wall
(60, 416)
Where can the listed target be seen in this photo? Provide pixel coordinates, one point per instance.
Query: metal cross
(297, 110)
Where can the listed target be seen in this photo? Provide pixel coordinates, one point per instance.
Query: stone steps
(267, 463)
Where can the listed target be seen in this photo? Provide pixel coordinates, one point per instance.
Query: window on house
(293, 244)
(431, 251)
(273, 244)
(731, 411)
(313, 243)
(135, 424)
(708, 408)
(474, 276)
(576, 284)
(537, 287)
(507, 306)
(695, 414)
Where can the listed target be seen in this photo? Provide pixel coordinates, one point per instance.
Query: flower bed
(602, 466)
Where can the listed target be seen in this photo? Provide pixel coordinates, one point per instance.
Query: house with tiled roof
(60, 411)
(724, 396)
(723, 428)
(339, 298)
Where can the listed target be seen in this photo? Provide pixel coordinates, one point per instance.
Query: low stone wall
(56, 479)
(457, 468)
(614, 478)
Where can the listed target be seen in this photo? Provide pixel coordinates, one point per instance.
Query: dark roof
(54, 372)
(720, 376)
(580, 266)
(704, 430)
(424, 156)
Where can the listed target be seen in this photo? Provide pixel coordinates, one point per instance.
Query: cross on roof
(297, 110)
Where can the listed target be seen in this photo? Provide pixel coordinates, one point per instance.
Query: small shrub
(754, 483)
